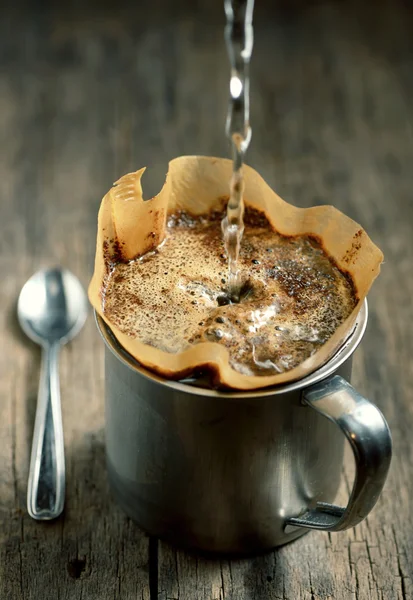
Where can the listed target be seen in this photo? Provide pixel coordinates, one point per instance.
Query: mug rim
(343, 353)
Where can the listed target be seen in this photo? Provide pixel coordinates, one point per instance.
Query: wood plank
(54, 170)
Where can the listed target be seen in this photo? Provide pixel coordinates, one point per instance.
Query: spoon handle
(46, 486)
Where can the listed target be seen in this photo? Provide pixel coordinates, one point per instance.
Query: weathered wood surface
(89, 91)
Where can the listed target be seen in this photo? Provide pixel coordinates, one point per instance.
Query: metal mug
(240, 472)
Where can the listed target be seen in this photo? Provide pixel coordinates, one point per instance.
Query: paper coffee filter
(129, 227)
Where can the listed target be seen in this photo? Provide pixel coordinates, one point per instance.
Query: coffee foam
(131, 229)
(293, 301)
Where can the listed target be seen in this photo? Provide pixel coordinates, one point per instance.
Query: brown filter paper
(128, 227)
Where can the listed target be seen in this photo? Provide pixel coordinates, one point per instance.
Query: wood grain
(90, 92)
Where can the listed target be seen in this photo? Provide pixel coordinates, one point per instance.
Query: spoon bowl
(52, 306)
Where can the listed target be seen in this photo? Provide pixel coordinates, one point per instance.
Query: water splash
(239, 38)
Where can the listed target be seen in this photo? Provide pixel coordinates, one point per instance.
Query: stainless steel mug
(240, 472)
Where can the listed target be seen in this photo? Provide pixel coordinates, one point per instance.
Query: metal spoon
(52, 309)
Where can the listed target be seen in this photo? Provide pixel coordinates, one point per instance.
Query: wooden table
(89, 93)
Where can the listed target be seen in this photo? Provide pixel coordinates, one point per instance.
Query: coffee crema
(293, 296)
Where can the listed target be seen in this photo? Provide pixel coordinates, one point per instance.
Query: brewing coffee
(160, 278)
(292, 298)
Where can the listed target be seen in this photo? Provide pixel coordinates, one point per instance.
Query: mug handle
(368, 433)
